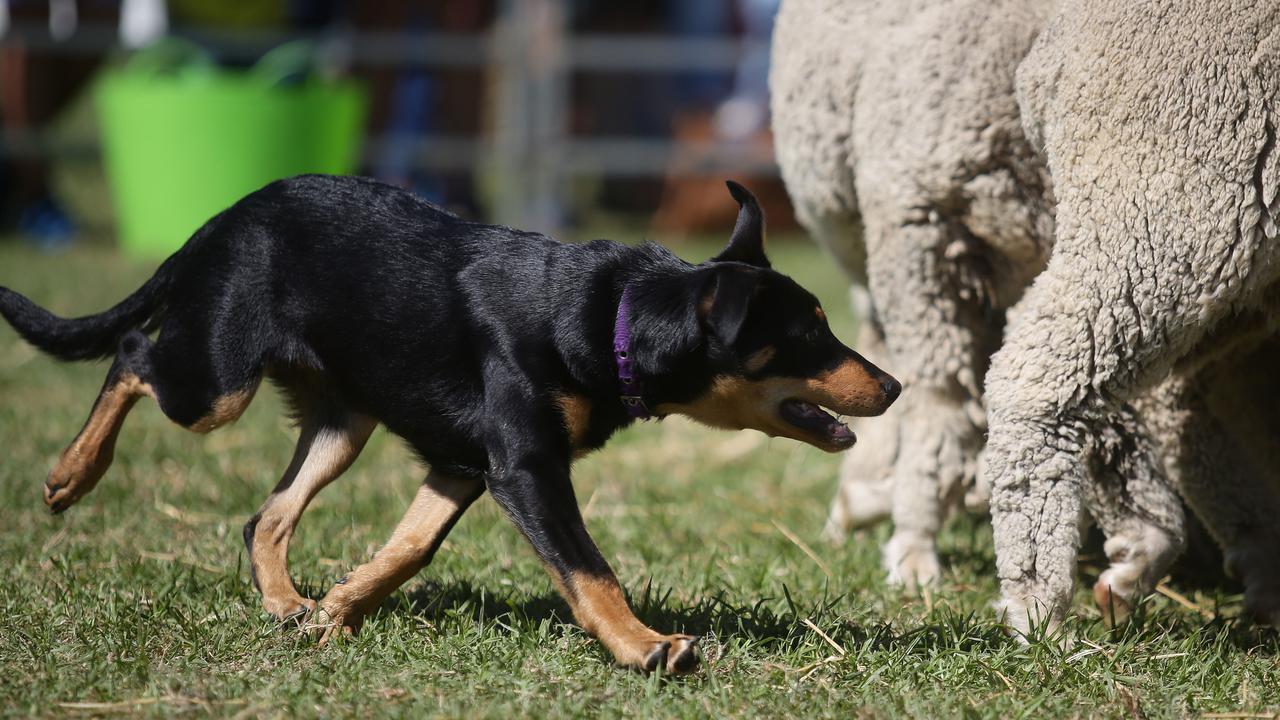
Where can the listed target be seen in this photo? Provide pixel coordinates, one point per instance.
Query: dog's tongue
(806, 410)
(812, 417)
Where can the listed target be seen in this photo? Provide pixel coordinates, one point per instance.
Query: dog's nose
(892, 389)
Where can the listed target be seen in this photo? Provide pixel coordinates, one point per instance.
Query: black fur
(458, 336)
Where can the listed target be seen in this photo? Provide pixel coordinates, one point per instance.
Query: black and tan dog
(499, 355)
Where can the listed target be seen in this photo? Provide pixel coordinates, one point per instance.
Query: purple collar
(632, 394)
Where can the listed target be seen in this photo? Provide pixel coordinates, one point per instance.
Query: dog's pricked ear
(746, 245)
(726, 300)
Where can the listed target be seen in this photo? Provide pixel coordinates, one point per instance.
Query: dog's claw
(57, 504)
(686, 659)
(324, 626)
(298, 615)
(657, 658)
(674, 655)
(288, 609)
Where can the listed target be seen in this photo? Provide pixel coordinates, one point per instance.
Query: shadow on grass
(774, 624)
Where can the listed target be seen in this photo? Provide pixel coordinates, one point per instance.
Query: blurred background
(133, 121)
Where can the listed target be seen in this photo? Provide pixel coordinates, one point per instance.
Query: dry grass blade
(53, 541)
(812, 668)
(186, 517)
(1184, 601)
(804, 547)
(824, 636)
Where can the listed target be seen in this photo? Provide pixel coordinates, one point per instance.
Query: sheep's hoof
(911, 564)
(1114, 606)
(1025, 617)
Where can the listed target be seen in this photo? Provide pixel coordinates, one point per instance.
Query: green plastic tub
(183, 139)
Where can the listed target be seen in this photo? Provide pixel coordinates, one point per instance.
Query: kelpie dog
(499, 355)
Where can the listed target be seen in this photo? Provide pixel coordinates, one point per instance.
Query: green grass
(137, 600)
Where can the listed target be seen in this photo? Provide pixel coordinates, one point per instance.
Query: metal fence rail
(528, 148)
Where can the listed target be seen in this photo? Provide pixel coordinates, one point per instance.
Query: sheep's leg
(1219, 430)
(1141, 275)
(1035, 505)
(1137, 508)
(865, 493)
(1068, 350)
(933, 300)
(939, 442)
(1070, 355)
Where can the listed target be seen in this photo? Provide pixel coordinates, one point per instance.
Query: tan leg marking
(226, 409)
(322, 455)
(600, 608)
(576, 411)
(86, 460)
(439, 503)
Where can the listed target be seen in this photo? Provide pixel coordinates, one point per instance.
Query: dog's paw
(326, 624)
(646, 651)
(672, 655)
(289, 609)
(71, 479)
(911, 563)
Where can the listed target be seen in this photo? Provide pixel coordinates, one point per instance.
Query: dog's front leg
(529, 479)
(538, 497)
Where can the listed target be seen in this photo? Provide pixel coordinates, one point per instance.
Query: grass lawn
(138, 600)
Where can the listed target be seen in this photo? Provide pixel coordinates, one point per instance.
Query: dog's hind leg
(326, 448)
(440, 501)
(87, 458)
(188, 389)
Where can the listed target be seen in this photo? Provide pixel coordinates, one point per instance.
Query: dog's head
(753, 349)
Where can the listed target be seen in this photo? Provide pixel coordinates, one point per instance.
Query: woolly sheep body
(1158, 126)
(847, 121)
(901, 118)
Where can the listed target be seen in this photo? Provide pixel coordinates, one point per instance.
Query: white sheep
(904, 117)
(1157, 121)
(899, 139)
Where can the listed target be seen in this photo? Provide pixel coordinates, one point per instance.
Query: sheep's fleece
(904, 116)
(957, 215)
(901, 117)
(1158, 123)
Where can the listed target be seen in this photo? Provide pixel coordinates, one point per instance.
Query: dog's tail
(93, 336)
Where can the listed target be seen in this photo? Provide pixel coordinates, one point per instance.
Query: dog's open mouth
(813, 419)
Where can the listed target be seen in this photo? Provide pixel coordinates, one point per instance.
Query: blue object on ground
(46, 225)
